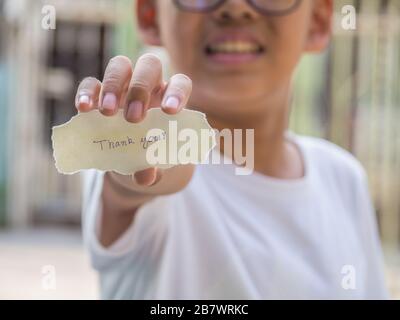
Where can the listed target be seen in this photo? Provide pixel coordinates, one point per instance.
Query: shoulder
(330, 159)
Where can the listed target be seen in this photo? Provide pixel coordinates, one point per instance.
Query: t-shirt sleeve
(375, 279)
(134, 239)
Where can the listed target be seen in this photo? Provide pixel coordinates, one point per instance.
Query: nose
(235, 11)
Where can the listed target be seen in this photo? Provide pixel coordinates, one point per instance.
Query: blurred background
(349, 95)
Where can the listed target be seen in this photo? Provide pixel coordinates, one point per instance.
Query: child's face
(236, 81)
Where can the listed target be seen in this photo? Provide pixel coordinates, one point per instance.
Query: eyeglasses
(265, 7)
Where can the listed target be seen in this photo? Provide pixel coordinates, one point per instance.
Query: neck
(274, 155)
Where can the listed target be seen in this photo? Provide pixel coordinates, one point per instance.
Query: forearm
(121, 198)
(119, 205)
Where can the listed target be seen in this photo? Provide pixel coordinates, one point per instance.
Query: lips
(234, 47)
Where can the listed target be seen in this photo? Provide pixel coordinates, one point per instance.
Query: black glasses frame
(250, 2)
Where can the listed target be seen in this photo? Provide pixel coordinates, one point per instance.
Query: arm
(121, 199)
(135, 90)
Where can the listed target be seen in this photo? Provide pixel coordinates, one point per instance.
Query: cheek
(288, 43)
(179, 36)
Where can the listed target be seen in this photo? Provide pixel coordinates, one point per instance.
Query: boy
(300, 227)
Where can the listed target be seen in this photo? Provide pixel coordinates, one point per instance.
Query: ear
(320, 29)
(147, 22)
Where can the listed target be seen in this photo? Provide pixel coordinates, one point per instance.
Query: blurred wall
(4, 74)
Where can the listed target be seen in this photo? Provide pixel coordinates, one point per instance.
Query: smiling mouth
(234, 48)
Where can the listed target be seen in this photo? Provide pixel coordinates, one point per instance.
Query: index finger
(87, 95)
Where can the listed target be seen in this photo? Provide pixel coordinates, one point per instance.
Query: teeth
(235, 47)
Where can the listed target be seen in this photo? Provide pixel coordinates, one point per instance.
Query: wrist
(119, 193)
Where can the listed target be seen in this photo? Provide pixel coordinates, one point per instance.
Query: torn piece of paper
(93, 141)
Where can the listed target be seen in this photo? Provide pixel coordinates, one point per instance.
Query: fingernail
(135, 110)
(109, 102)
(172, 102)
(84, 99)
(153, 180)
(143, 178)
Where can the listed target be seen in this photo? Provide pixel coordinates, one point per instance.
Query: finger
(116, 80)
(147, 177)
(146, 81)
(87, 95)
(177, 93)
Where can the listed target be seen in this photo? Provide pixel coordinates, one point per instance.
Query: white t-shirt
(247, 237)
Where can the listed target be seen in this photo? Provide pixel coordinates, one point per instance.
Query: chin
(236, 95)
(232, 102)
